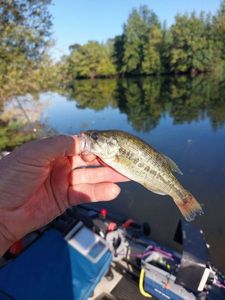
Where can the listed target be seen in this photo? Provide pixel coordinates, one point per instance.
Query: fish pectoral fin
(152, 189)
(174, 167)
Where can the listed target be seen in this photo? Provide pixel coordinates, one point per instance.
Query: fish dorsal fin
(174, 167)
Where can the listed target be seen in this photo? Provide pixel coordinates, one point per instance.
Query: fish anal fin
(159, 193)
(152, 189)
(174, 167)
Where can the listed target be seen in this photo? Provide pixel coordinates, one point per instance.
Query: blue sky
(77, 21)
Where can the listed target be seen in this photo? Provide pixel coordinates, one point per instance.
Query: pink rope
(154, 249)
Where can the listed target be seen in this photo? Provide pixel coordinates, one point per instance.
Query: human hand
(41, 179)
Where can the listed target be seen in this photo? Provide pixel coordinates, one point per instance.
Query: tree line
(193, 44)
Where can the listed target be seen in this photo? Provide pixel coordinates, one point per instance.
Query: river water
(181, 117)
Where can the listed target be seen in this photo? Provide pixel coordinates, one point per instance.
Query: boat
(88, 253)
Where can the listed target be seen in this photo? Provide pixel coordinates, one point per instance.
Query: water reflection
(96, 94)
(181, 117)
(141, 101)
(20, 121)
(146, 100)
(197, 98)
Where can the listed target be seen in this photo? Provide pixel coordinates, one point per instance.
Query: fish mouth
(85, 146)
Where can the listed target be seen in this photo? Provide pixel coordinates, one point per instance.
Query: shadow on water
(181, 117)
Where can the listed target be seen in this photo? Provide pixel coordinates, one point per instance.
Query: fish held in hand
(140, 162)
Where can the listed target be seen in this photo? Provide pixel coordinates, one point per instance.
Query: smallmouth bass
(140, 162)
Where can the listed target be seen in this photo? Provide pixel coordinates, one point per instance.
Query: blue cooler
(52, 268)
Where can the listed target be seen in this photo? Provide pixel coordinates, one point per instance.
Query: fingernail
(115, 190)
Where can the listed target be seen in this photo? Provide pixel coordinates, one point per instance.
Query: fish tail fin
(188, 206)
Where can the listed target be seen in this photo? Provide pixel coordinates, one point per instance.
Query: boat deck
(120, 287)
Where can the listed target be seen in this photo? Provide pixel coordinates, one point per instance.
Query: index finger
(45, 150)
(77, 161)
(95, 175)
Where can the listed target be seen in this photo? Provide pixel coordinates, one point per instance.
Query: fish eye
(94, 136)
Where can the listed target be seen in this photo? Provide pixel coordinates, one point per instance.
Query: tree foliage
(24, 39)
(151, 63)
(91, 60)
(218, 34)
(137, 36)
(193, 44)
(192, 50)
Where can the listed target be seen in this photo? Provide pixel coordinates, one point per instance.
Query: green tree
(194, 44)
(91, 60)
(24, 38)
(191, 51)
(165, 48)
(106, 66)
(152, 61)
(136, 36)
(25, 26)
(118, 52)
(218, 36)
